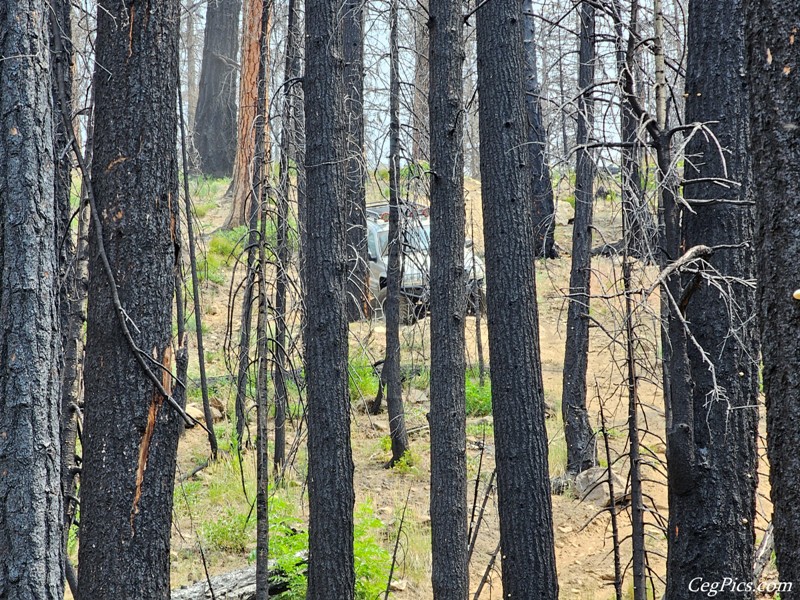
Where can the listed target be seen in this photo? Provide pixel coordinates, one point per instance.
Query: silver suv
(415, 229)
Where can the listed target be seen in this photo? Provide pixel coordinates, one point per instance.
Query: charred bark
(358, 267)
(772, 55)
(526, 526)
(215, 117)
(390, 374)
(543, 199)
(288, 152)
(324, 215)
(31, 518)
(131, 428)
(715, 518)
(581, 443)
(450, 573)
(421, 133)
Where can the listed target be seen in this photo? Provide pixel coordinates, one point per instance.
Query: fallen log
(236, 585)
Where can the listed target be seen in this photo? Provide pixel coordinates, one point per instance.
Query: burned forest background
(357, 299)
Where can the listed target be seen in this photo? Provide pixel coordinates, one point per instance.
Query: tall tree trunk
(262, 360)
(357, 265)
(639, 222)
(246, 136)
(131, 428)
(31, 519)
(450, 573)
(581, 443)
(394, 268)
(421, 134)
(330, 459)
(192, 83)
(543, 202)
(711, 533)
(288, 151)
(215, 117)
(772, 53)
(526, 526)
(72, 264)
(198, 309)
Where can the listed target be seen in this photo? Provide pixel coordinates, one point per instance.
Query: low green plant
(288, 547)
(229, 532)
(363, 380)
(407, 464)
(479, 398)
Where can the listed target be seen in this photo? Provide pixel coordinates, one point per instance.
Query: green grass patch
(479, 398)
(363, 381)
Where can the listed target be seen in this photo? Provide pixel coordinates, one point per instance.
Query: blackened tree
(215, 116)
(448, 288)
(581, 445)
(131, 425)
(526, 526)
(358, 267)
(543, 200)
(711, 532)
(330, 460)
(390, 373)
(772, 59)
(30, 492)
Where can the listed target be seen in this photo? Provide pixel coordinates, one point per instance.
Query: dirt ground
(584, 550)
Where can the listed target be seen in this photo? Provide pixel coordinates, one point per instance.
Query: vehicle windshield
(418, 239)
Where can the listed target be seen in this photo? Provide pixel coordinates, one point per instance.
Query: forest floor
(213, 507)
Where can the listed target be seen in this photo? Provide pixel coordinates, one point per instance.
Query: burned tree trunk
(357, 265)
(421, 133)
(711, 531)
(30, 495)
(390, 373)
(450, 571)
(526, 526)
(288, 151)
(330, 459)
(543, 200)
(131, 425)
(215, 116)
(772, 53)
(581, 444)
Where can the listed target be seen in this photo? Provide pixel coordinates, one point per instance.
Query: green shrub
(363, 381)
(288, 547)
(230, 532)
(479, 398)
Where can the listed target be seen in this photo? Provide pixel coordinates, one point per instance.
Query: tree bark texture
(581, 443)
(248, 99)
(288, 151)
(330, 460)
(526, 526)
(31, 559)
(543, 201)
(773, 54)
(711, 532)
(640, 224)
(421, 133)
(131, 433)
(358, 267)
(450, 571)
(394, 268)
(215, 117)
(71, 253)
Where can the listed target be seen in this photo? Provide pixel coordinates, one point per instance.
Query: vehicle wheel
(408, 310)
